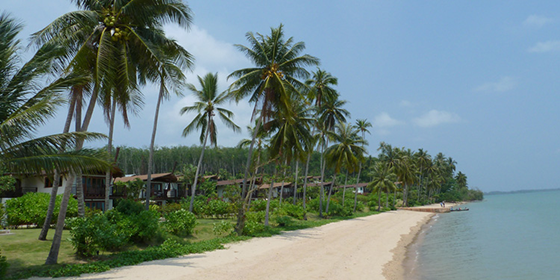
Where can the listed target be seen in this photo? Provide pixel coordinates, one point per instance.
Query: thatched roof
(159, 177)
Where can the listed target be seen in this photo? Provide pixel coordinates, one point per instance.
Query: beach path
(351, 249)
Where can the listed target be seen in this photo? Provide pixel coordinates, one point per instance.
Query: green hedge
(31, 208)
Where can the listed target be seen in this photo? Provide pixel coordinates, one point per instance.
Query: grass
(26, 255)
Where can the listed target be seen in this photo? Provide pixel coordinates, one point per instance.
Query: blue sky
(475, 80)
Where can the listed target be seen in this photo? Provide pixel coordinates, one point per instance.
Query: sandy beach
(371, 247)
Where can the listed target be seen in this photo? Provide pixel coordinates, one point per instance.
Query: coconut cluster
(117, 33)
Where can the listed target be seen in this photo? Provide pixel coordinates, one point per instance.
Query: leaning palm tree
(347, 151)
(278, 67)
(118, 43)
(24, 106)
(206, 107)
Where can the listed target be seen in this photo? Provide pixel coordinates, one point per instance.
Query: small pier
(430, 210)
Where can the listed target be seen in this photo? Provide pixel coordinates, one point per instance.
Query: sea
(505, 236)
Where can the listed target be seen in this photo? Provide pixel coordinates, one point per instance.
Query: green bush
(169, 207)
(91, 235)
(256, 216)
(31, 208)
(288, 209)
(252, 228)
(218, 208)
(3, 266)
(223, 227)
(146, 227)
(284, 221)
(130, 207)
(258, 205)
(180, 222)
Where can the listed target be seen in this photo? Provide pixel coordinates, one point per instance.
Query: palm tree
(330, 113)
(319, 89)
(348, 151)
(24, 107)
(206, 106)
(278, 66)
(120, 44)
(423, 160)
(461, 180)
(383, 179)
(362, 125)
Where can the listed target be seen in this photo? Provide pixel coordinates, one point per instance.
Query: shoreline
(401, 266)
(397, 268)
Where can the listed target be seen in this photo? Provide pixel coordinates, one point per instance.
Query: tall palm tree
(347, 151)
(383, 179)
(119, 44)
(362, 125)
(423, 160)
(207, 107)
(330, 113)
(319, 89)
(461, 180)
(278, 67)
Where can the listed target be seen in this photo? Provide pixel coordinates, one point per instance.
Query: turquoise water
(507, 236)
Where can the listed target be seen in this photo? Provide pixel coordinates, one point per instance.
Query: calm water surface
(508, 236)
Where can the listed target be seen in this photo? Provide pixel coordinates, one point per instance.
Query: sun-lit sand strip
(353, 249)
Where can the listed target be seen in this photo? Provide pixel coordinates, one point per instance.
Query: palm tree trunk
(55, 247)
(79, 186)
(344, 190)
(109, 150)
(379, 200)
(305, 185)
(323, 164)
(296, 181)
(152, 142)
(266, 216)
(387, 200)
(54, 190)
(356, 188)
(282, 185)
(57, 239)
(241, 212)
(198, 167)
(330, 191)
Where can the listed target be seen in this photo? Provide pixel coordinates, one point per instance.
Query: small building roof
(319, 184)
(276, 185)
(160, 177)
(360, 185)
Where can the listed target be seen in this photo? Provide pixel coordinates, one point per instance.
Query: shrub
(223, 227)
(168, 208)
(258, 205)
(3, 266)
(254, 223)
(130, 207)
(31, 208)
(180, 222)
(90, 235)
(284, 220)
(216, 207)
(146, 225)
(256, 216)
(288, 209)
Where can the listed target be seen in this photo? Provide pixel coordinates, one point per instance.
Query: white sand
(361, 248)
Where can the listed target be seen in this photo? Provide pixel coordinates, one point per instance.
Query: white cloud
(406, 103)
(383, 120)
(435, 117)
(503, 85)
(536, 21)
(547, 46)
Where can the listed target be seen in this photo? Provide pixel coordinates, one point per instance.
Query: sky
(475, 80)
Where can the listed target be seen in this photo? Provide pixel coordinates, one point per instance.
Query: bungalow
(93, 186)
(163, 187)
(286, 188)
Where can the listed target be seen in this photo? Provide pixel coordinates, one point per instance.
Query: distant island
(520, 191)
